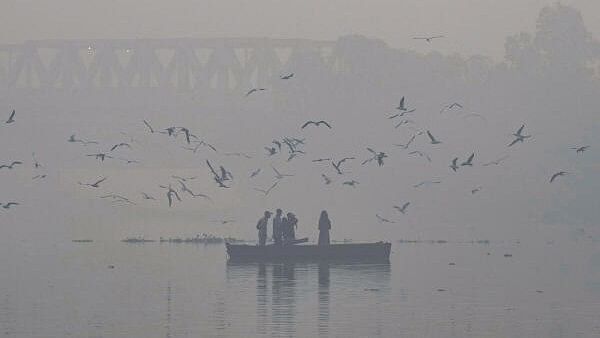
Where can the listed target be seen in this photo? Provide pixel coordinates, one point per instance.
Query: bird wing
(149, 126)
(372, 151)
(430, 136)
(100, 181)
(212, 169)
(271, 187)
(401, 105)
(471, 158)
(307, 123)
(325, 123)
(12, 115)
(520, 129)
(513, 142)
(276, 171)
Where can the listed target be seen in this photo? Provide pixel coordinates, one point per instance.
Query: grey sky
(472, 26)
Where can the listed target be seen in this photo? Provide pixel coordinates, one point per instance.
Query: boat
(358, 252)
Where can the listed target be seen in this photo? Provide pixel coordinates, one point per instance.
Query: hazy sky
(472, 26)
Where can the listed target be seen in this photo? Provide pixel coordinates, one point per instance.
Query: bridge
(183, 65)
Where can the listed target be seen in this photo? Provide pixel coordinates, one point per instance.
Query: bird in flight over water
(266, 192)
(428, 38)
(558, 174)
(11, 118)
(403, 208)
(287, 77)
(383, 220)
(433, 140)
(95, 184)
(10, 166)
(254, 90)
(8, 205)
(580, 150)
(317, 123)
(519, 136)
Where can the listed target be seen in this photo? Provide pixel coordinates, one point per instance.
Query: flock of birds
(179, 186)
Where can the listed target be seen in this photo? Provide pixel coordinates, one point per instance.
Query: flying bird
(255, 172)
(8, 205)
(321, 160)
(147, 197)
(421, 154)
(496, 162)
(266, 192)
(287, 77)
(337, 165)
(383, 220)
(469, 161)
(95, 184)
(100, 156)
(519, 136)
(352, 183)
(253, 90)
(36, 164)
(317, 123)
(11, 166)
(117, 198)
(379, 156)
(184, 179)
(11, 118)
(433, 140)
(580, 149)
(454, 166)
(475, 190)
(403, 208)
(170, 194)
(39, 177)
(149, 126)
(184, 188)
(85, 143)
(218, 178)
(122, 144)
(326, 179)
(426, 183)
(271, 150)
(428, 38)
(560, 173)
(279, 175)
(451, 106)
(405, 146)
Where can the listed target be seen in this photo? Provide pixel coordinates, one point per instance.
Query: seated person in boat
(262, 228)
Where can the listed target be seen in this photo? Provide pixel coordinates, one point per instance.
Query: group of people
(284, 228)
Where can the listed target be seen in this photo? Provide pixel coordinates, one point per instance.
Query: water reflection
(282, 288)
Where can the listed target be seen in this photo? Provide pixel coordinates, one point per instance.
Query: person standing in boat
(277, 227)
(324, 227)
(262, 228)
(291, 225)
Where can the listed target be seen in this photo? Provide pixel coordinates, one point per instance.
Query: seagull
(405, 146)
(496, 162)
(184, 179)
(38, 177)
(433, 140)
(450, 106)
(327, 179)
(225, 175)
(277, 143)
(402, 106)
(147, 197)
(170, 193)
(321, 160)
(293, 155)
(405, 121)
(453, 166)
(403, 208)
(149, 126)
(475, 190)
(219, 179)
(428, 38)
(318, 123)
(383, 220)
(352, 183)
(339, 163)
(128, 160)
(118, 198)
(426, 182)
(469, 161)
(187, 134)
(184, 188)
(85, 143)
(10, 166)
(36, 164)
(100, 156)
(122, 144)
(271, 150)
(560, 173)
(266, 192)
(287, 77)
(519, 136)
(255, 172)
(580, 149)
(8, 205)
(254, 90)
(420, 153)
(379, 156)
(95, 184)
(279, 175)
(11, 118)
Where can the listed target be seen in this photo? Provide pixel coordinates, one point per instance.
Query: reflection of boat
(363, 252)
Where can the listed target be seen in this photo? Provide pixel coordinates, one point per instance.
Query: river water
(113, 289)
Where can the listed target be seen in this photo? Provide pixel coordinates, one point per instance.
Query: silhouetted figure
(277, 227)
(290, 223)
(324, 227)
(262, 228)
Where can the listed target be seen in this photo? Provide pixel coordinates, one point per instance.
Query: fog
(546, 78)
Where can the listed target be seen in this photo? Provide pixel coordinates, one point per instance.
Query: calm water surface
(545, 289)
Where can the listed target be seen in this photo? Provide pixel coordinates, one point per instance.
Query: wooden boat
(359, 252)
